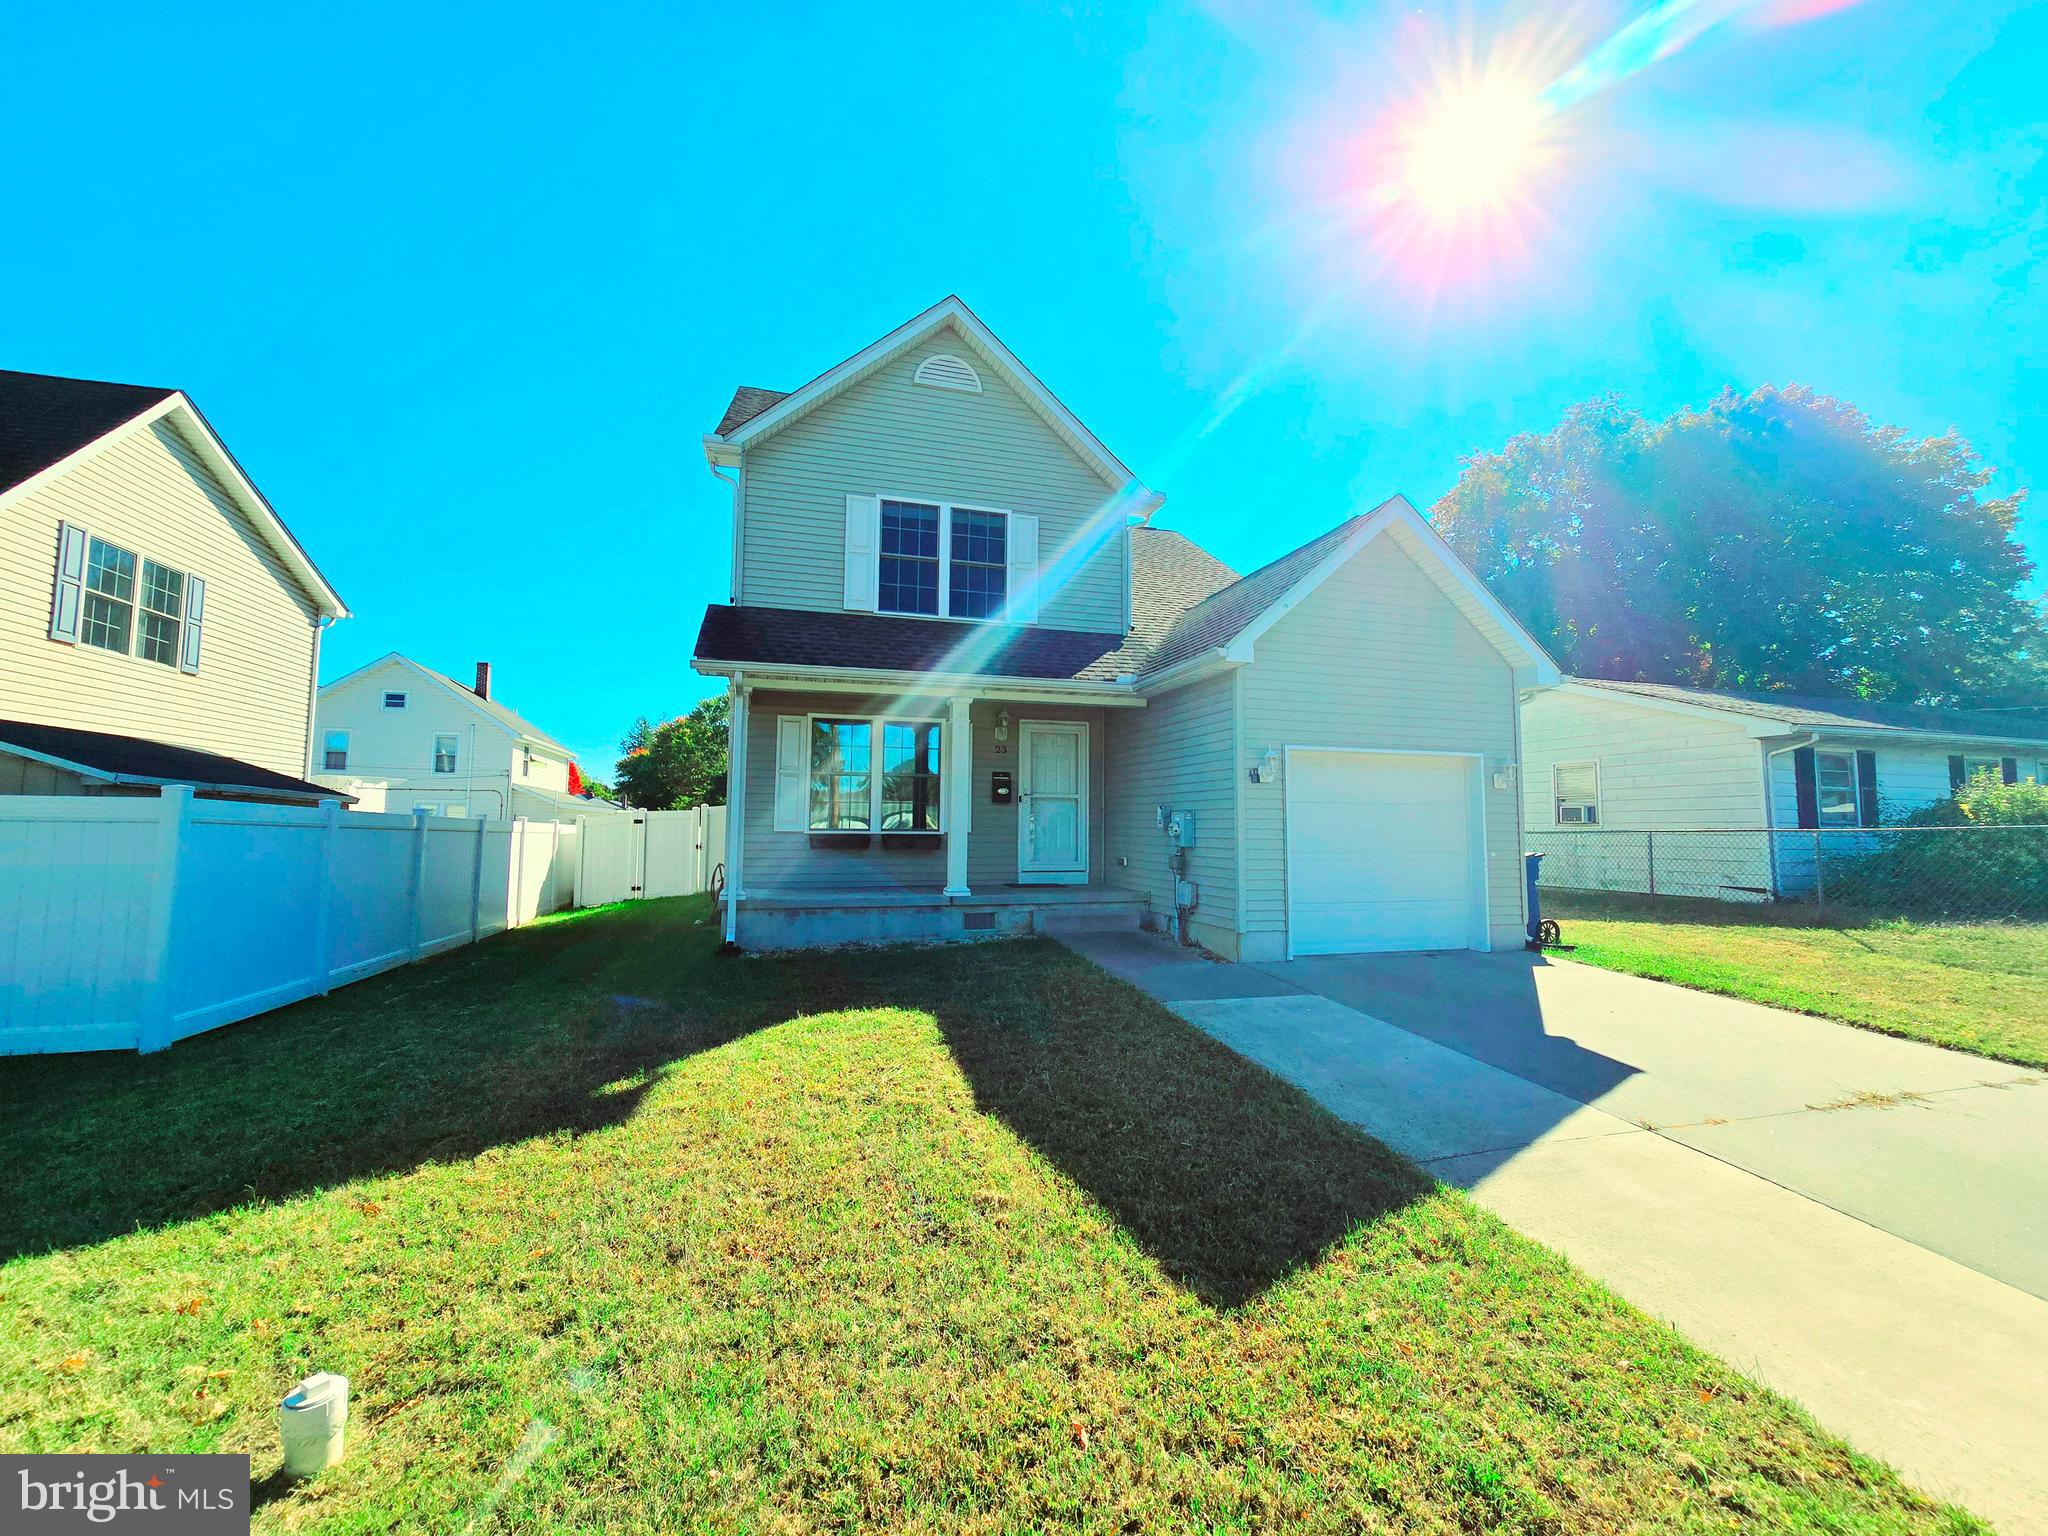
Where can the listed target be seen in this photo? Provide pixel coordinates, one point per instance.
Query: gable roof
(1809, 713)
(517, 724)
(753, 414)
(110, 759)
(747, 403)
(44, 418)
(48, 423)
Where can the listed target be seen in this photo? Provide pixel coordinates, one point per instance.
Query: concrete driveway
(1859, 1221)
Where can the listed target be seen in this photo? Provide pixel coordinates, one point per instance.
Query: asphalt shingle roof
(137, 758)
(1217, 619)
(505, 717)
(1810, 713)
(45, 418)
(747, 403)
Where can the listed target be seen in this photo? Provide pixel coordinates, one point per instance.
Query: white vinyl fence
(649, 853)
(128, 923)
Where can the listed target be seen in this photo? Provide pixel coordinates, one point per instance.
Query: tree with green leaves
(679, 763)
(1777, 540)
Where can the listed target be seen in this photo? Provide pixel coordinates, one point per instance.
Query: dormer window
(943, 561)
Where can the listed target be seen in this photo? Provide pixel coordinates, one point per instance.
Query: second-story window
(163, 605)
(444, 752)
(109, 597)
(980, 562)
(335, 753)
(942, 561)
(910, 558)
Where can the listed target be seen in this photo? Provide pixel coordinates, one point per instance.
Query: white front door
(1052, 802)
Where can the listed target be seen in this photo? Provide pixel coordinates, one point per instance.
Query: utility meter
(1180, 829)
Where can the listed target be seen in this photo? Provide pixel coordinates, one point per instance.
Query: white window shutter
(792, 773)
(863, 549)
(1023, 573)
(68, 596)
(195, 621)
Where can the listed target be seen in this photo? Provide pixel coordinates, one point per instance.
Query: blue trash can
(1532, 866)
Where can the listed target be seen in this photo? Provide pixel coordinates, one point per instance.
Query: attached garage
(1385, 851)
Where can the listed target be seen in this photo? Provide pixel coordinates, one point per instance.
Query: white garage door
(1380, 854)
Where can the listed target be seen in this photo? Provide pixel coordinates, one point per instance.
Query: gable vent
(943, 370)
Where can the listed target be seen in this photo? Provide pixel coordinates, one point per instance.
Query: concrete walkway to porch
(1590, 1129)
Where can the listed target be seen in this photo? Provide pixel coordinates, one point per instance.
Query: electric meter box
(1180, 829)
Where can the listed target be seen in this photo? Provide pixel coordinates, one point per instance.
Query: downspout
(733, 587)
(320, 623)
(1770, 805)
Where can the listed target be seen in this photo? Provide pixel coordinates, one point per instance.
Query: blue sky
(463, 285)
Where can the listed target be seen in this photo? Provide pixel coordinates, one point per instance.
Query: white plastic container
(310, 1421)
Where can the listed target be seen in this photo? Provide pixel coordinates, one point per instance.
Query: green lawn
(612, 1233)
(1979, 987)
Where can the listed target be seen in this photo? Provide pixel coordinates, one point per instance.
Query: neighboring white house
(158, 622)
(400, 737)
(972, 688)
(1620, 757)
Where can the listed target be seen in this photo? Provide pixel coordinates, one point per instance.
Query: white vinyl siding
(888, 435)
(1658, 768)
(149, 494)
(1379, 657)
(1176, 752)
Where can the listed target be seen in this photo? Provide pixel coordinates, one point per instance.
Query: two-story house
(397, 736)
(158, 622)
(973, 688)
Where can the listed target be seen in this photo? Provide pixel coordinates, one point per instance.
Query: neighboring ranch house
(1630, 757)
(158, 622)
(975, 691)
(402, 737)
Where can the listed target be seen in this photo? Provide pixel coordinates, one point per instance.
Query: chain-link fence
(1981, 874)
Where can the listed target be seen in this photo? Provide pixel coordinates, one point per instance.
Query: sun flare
(1474, 147)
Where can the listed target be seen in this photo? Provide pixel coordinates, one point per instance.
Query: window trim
(947, 506)
(1558, 802)
(875, 725)
(327, 750)
(454, 753)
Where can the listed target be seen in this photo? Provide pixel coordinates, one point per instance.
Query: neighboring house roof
(757, 413)
(517, 724)
(747, 403)
(112, 759)
(48, 422)
(1185, 605)
(1805, 712)
(45, 419)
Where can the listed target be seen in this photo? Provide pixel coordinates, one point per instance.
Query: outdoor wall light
(1268, 769)
(1002, 725)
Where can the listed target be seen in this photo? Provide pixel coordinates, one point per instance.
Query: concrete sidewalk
(1934, 1365)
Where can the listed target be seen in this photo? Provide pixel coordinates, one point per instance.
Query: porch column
(736, 802)
(959, 792)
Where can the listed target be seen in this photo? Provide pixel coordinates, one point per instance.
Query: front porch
(802, 919)
(912, 817)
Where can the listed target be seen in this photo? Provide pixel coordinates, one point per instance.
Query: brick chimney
(483, 679)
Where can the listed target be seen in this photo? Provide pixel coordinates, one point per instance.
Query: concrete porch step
(1097, 917)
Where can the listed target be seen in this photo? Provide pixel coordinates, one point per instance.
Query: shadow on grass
(1228, 1176)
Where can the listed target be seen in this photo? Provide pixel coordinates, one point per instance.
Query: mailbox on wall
(1000, 791)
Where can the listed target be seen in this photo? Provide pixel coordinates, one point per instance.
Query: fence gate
(638, 854)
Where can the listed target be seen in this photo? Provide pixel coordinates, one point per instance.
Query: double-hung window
(1834, 782)
(163, 605)
(842, 776)
(1575, 791)
(334, 755)
(1972, 766)
(846, 793)
(109, 597)
(444, 752)
(942, 561)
